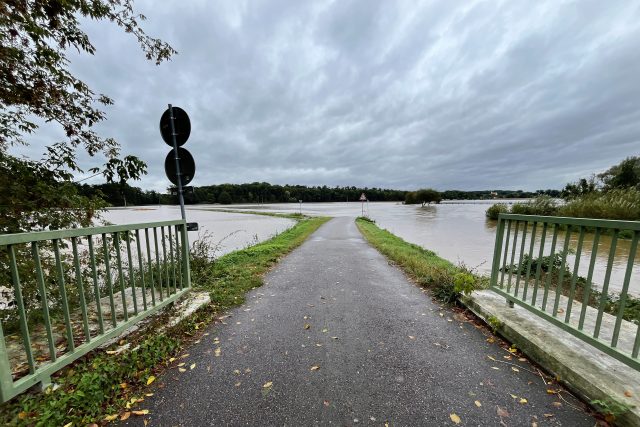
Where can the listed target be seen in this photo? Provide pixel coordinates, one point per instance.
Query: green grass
(446, 280)
(100, 384)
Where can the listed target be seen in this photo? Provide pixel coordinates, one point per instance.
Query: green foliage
(541, 205)
(37, 86)
(626, 174)
(35, 197)
(224, 198)
(495, 210)
(85, 388)
(611, 408)
(366, 219)
(446, 281)
(621, 204)
(494, 323)
(423, 196)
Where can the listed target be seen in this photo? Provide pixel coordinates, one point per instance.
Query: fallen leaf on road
(478, 404)
(514, 369)
(150, 380)
(182, 370)
(216, 353)
(325, 330)
(125, 416)
(548, 415)
(236, 371)
(412, 337)
(522, 400)
(238, 384)
(307, 326)
(148, 394)
(193, 365)
(267, 384)
(522, 359)
(455, 418)
(334, 338)
(496, 368)
(140, 412)
(491, 340)
(557, 404)
(513, 396)
(628, 393)
(315, 367)
(111, 417)
(181, 364)
(325, 403)
(172, 359)
(491, 358)
(502, 412)
(318, 345)
(247, 370)
(551, 391)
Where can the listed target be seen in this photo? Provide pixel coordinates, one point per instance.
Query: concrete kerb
(584, 370)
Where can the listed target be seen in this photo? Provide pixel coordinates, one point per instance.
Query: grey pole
(175, 152)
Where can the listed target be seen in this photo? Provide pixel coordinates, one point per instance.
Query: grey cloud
(464, 95)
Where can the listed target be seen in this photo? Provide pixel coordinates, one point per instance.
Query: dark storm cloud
(462, 95)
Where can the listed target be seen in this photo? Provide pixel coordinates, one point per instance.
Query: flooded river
(457, 231)
(460, 232)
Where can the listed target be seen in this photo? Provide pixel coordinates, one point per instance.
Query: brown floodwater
(461, 233)
(227, 231)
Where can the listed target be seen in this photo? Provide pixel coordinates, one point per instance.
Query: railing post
(6, 381)
(186, 270)
(497, 251)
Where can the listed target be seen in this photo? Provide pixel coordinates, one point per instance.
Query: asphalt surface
(384, 352)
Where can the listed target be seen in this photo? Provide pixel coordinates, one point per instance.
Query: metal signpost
(363, 199)
(179, 166)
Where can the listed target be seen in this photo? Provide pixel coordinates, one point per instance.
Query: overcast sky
(446, 94)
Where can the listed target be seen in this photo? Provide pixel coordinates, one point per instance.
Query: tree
(224, 198)
(623, 175)
(423, 196)
(35, 83)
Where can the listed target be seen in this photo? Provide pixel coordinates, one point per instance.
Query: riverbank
(609, 385)
(106, 383)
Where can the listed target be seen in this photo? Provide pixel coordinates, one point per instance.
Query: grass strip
(446, 280)
(108, 385)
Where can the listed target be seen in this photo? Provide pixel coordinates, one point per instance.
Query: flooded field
(229, 231)
(460, 232)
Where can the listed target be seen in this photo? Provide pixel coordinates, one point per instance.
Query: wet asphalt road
(385, 354)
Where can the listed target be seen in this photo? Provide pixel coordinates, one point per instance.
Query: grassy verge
(104, 386)
(446, 280)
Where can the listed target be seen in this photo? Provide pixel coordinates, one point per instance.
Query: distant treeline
(263, 192)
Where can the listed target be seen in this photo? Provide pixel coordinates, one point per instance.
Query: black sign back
(187, 166)
(182, 125)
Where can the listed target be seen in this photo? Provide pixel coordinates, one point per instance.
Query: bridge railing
(65, 292)
(575, 273)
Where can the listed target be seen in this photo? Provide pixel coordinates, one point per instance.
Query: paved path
(396, 357)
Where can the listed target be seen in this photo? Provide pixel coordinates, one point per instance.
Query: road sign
(185, 190)
(363, 198)
(181, 123)
(187, 166)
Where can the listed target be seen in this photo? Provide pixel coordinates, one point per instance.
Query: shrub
(497, 209)
(541, 205)
(620, 204)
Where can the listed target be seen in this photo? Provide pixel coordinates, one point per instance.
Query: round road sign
(187, 166)
(181, 123)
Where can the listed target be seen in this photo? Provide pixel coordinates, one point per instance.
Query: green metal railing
(540, 264)
(76, 289)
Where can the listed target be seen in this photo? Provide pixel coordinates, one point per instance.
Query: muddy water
(460, 232)
(228, 231)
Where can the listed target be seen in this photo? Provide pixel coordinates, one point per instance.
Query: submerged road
(337, 336)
